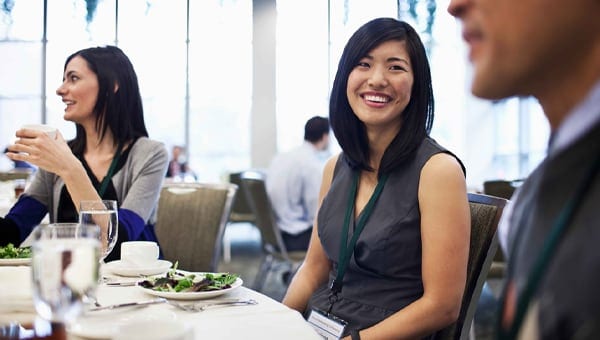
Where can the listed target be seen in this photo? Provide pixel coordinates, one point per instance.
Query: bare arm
(445, 233)
(315, 269)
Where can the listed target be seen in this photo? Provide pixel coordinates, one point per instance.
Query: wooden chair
(191, 220)
(253, 183)
(485, 215)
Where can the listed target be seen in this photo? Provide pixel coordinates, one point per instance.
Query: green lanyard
(346, 249)
(111, 170)
(557, 232)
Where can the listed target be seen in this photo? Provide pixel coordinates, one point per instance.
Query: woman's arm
(315, 269)
(55, 156)
(141, 199)
(24, 215)
(445, 235)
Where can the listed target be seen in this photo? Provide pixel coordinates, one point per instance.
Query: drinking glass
(103, 214)
(65, 269)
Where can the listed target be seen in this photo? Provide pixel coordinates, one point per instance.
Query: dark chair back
(253, 183)
(241, 211)
(504, 189)
(485, 215)
(500, 188)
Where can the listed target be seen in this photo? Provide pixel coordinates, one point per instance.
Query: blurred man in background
(293, 182)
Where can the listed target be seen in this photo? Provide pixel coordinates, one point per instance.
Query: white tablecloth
(268, 319)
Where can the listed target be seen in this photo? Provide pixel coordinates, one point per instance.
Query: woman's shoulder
(430, 147)
(145, 144)
(145, 148)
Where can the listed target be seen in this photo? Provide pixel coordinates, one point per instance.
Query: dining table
(267, 319)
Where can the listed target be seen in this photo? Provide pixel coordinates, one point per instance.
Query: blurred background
(233, 81)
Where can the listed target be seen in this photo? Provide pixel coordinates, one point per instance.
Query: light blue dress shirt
(579, 121)
(293, 183)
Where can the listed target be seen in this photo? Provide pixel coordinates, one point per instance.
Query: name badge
(329, 326)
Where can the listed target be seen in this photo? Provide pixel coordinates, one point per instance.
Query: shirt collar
(579, 121)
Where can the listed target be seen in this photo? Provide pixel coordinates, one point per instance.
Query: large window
(21, 60)
(195, 67)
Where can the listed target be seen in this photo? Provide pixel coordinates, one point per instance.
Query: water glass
(103, 214)
(65, 269)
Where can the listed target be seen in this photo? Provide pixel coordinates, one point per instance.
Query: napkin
(15, 289)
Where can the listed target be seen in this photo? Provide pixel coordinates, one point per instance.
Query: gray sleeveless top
(384, 273)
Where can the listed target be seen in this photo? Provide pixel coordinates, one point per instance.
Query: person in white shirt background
(293, 181)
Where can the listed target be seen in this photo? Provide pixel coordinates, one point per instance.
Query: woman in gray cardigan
(110, 158)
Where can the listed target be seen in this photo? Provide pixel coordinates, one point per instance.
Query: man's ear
(116, 87)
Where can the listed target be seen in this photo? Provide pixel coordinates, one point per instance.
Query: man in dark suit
(550, 50)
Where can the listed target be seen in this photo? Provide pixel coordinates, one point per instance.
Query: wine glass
(65, 269)
(102, 213)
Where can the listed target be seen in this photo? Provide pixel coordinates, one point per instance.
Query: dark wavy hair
(121, 111)
(417, 118)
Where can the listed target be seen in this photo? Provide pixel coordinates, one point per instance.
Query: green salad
(12, 252)
(174, 281)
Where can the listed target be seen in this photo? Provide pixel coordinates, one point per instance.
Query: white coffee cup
(49, 130)
(155, 330)
(139, 253)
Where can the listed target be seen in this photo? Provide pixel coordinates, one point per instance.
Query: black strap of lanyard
(559, 229)
(347, 249)
(111, 170)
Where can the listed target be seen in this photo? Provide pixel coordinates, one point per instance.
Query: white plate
(105, 324)
(192, 295)
(16, 262)
(123, 269)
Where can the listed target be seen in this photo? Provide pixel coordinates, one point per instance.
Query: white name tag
(328, 326)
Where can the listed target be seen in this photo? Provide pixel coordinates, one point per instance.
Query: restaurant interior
(233, 81)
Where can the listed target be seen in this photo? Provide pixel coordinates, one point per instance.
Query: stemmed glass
(65, 269)
(103, 214)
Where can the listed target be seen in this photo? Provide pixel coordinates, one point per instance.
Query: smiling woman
(107, 159)
(393, 203)
(79, 91)
(380, 86)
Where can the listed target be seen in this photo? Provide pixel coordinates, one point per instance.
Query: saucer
(16, 262)
(125, 269)
(106, 324)
(155, 330)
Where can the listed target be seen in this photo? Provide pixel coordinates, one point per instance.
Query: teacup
(49, 130)
(139, 253)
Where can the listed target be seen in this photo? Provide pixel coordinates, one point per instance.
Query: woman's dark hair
(120, 109)
(417, 117)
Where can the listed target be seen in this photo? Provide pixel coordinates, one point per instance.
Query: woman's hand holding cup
(42, 128)
(43, 146)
